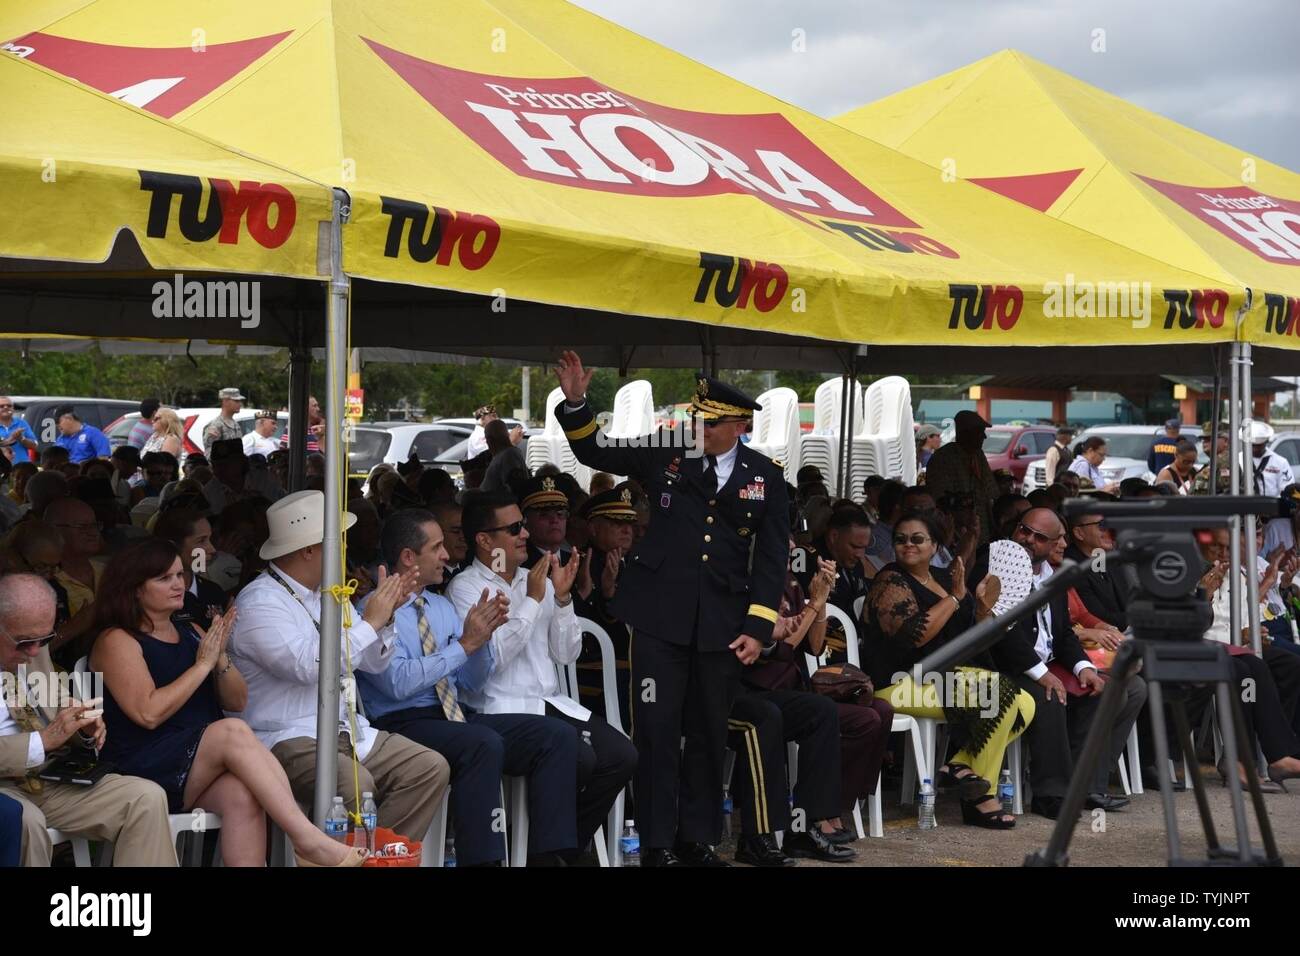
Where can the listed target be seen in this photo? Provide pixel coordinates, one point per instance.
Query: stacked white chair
(776, 429)
(552, 448)
(885, 444)
(822, 447)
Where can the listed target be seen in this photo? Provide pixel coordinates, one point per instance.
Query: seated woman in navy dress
(166, 683)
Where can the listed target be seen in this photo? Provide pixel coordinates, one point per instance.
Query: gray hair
(18, 591)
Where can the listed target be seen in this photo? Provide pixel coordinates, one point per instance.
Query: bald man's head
(26, 614)
(1038, 531)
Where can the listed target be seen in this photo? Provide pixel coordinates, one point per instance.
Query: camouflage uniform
(1201, 483)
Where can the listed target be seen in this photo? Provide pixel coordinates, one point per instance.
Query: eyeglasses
(917, 539)
(37, 642)
(511, 529)
(5, 408)
(1086, 524)
(1038, 535)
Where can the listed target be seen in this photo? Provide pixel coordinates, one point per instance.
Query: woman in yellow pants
(911, 610)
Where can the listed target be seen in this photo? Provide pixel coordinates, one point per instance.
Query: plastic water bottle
(369, 821)
(1006, 792)
(336, 821)
(925, 806)
(449, 852)
(630, 844)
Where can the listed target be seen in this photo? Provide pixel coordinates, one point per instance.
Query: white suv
(1126, 453)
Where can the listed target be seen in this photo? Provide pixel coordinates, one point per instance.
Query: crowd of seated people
(194, 588)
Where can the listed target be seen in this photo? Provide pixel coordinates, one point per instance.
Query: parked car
(376, 442)
(38, 411)
(1287, 444)
(194, 420)
(1126, 452)
(1016, 447)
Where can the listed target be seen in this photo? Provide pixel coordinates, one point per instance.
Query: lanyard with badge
(293, 594)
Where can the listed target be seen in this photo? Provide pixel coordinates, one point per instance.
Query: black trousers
(482, 749)
(1058, 731)
(679, 691)
(1263, 707)
(606, 762)
(762, 722)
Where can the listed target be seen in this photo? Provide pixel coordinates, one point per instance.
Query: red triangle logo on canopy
(162, 80)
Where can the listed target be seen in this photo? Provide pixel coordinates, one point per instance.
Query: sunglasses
(1086, 524)
(1038, 535)
(511, 529)
(917, 539)
(37, 642)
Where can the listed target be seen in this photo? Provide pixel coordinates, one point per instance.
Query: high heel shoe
(1270, 785)
(973, 816)
(972, 786)
(356, 856)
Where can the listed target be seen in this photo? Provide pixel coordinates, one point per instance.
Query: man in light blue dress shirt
(437, 658)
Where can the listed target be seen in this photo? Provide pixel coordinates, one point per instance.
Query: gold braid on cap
(708, 408)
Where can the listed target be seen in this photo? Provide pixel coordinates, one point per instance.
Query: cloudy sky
(1229, 69)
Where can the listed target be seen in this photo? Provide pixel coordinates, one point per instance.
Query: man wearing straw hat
(699, 591)
(276, 646)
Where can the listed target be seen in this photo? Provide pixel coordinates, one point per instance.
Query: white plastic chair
(917, 754)
(776, 429)
(551, 447)
(611, 854)
(80, 845)
(634, 411)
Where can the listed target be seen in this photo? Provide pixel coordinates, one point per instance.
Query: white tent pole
(1234, 487)
(331, 612)
(1248, 487)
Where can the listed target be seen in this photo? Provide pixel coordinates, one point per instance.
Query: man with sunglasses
(129, 812)
(700, 591)
(541, 631)
(1043, 652)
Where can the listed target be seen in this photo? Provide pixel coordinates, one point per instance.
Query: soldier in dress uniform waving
(699, 592)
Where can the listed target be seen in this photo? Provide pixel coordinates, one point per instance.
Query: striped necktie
(446, 693)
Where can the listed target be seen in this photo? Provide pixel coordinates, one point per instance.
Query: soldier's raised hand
(574, 379)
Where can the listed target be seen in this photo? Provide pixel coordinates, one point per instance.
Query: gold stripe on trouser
(986, 764)
(750, 733)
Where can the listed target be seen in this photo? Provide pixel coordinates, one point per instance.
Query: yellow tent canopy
(530, 151)
(91, 166)
(1086, 157)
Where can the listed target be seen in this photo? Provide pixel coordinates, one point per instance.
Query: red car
(1015, 447)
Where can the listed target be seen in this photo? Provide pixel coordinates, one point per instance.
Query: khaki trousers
(407, 779)
(129, 812)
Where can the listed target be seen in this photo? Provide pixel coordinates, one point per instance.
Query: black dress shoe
(660, 857)
(814, 845)
(761, 850)
(1104, 801)
(1049, 807)
(698, 854)
(841, 836)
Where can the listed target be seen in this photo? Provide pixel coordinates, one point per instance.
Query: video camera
(1156, 544)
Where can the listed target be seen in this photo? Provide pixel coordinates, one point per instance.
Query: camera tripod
(1170, 668)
